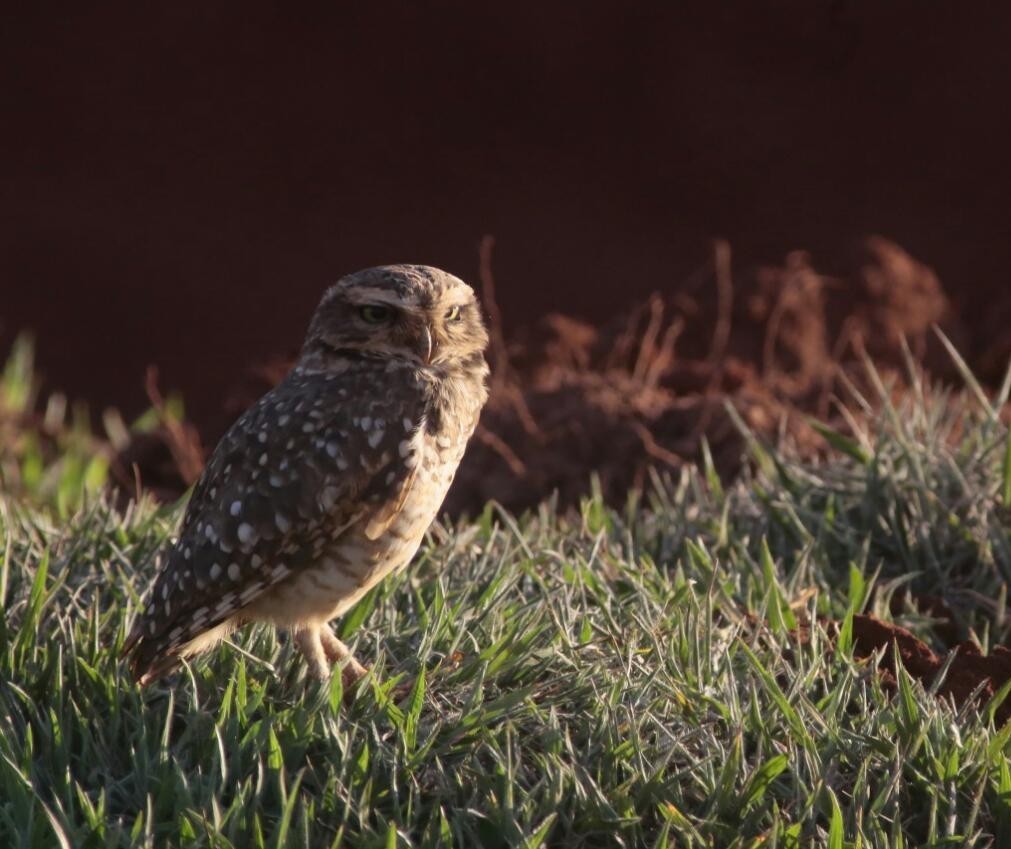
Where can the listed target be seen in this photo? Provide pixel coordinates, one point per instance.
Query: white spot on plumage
(236, 508)
(375, 438)
(405, 447)
(366, 422)
(263, 459)
(283, 420)
(331, 449)
(245, 533)
(262, 436)
(408, 424)
(215, 571)
(234, 572)
(283, 523)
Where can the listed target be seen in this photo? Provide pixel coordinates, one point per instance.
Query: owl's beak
(427, 344)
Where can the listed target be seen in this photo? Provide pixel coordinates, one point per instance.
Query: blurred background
(180, 184)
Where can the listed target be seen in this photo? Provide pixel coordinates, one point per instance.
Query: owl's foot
(336, 652)
(322, 650)
(307, 641)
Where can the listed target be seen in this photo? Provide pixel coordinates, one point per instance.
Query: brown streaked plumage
(328, 483)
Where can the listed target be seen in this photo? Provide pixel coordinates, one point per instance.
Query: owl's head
(414, 313)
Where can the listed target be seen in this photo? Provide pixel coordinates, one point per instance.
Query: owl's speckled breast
(355, 560)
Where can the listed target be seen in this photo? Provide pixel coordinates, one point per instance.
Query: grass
(589, 679)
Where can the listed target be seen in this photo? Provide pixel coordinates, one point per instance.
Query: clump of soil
(644, 389)
(570, 400)
(972, 674)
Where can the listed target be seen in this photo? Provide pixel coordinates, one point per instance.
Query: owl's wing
(315, 455)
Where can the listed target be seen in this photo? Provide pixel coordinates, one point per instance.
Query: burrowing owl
(327, 484)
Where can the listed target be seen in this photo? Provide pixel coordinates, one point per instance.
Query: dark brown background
(179, 186)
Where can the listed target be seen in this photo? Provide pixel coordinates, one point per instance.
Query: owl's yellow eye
(453, 314)
(375, 313)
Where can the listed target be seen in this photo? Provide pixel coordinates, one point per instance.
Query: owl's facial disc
(419, 333)
(413, 313)
(401, 330)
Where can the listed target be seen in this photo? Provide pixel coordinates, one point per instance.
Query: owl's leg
(336, 652)
(307, 641)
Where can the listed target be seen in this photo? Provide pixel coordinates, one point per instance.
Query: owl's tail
(147, 661)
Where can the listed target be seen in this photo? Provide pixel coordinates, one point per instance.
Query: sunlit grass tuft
(589, 679)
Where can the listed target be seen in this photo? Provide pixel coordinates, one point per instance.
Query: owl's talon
(307, 641)
(350, 680)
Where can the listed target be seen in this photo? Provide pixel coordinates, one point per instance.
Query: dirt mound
(569, 399)
(971, 675)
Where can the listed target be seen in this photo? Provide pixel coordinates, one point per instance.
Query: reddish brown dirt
(642, 389)
(967, 672)
(569, 399)
(971, 675)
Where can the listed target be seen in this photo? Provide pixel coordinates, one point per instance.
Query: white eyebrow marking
(375, 295)
(458, 296)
